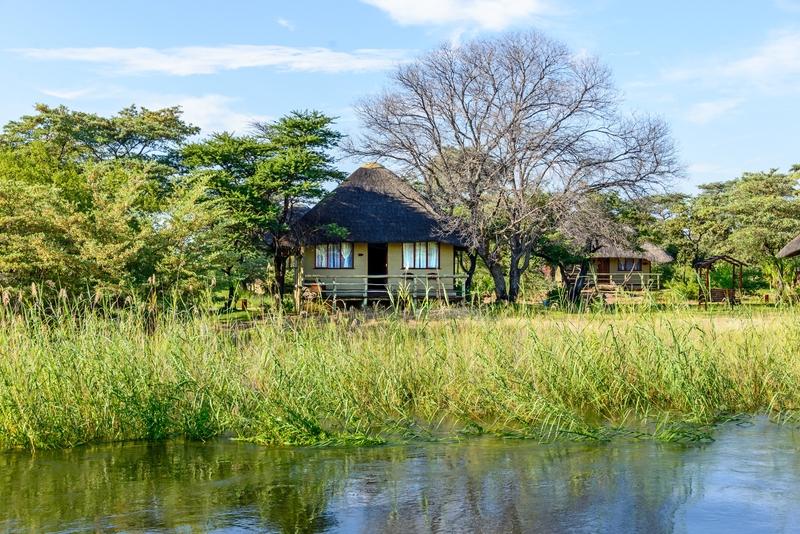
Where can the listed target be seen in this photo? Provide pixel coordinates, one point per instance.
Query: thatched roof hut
(646, 251)
(373, 205)
(791, 249)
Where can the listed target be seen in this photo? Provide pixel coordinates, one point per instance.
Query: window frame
(341, 257)
(426, 255)
(635, 262)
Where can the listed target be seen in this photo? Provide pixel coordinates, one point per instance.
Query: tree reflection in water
(484, 485)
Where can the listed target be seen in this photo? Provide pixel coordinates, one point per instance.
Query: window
(421, 255)
(334, 256)
(629, 264)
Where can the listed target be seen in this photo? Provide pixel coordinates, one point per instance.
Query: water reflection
(749, 480)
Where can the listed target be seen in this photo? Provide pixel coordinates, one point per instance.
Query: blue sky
(724, 74)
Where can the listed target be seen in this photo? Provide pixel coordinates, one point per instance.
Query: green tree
(91, 203)
(263, 179)
(228, 164)
(296, 172)
(763, 214)
(751, 218)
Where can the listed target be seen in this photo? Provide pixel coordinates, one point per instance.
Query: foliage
(750, 218)
(264, 178)
(92, 204)
(75, 137)
(122, 204)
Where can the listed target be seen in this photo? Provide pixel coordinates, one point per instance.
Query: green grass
(70, 378)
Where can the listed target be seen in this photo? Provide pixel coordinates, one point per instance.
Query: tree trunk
(781, 282)
(519, 264)
(280, 271)
(470, 271)
(574, 289)
(231, 291)
(498, 276)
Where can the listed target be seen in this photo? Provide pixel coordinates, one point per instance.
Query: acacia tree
(751, 217)
(228, 163)
(263, 178)
(300, 164)
(92, 203)
(508, 136)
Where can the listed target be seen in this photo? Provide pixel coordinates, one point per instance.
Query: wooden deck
(380, 287)
(625, 281)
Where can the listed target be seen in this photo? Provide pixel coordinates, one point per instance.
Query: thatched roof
(647, 251)
(791, 249)
(373, 205)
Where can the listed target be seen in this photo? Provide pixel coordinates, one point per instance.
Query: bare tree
(508, 135)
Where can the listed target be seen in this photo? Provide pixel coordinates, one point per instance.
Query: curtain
(419, 255)
(433, 255)
(321, 256)
(347, 255)
(334, 257)
(408, 255)
(629, 264)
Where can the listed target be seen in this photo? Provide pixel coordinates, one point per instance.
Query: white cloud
(91, 92)
(486, 14)
(792, 6)
(211, 112)
(285, 23)
(774, 66)
(704, 168)
(69, 94)
(208, 60)
(705, 112)
(778, 58)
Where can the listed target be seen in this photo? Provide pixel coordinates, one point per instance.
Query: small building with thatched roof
(611, 259)
(629, 267)
(375, 236)
(614, 266)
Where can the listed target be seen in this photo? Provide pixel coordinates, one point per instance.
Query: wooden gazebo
(732, 295)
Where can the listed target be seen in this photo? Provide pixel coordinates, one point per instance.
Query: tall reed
(69, 376)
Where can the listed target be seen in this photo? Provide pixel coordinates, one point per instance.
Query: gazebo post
(741, 291)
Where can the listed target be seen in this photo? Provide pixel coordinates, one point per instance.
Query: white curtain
(408, 255)
(347, 255)
(321, 259)
(433, 255)
(334, 257)
(419, 255)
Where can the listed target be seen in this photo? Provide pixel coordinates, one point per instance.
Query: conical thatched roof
(647, 251)
(791, 249)
(374, 205)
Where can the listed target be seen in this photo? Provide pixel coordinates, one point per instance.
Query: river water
(748, 480)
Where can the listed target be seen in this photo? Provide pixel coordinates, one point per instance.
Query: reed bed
(70, 378)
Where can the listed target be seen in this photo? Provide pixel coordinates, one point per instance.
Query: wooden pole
(741, 291)
(298, 280)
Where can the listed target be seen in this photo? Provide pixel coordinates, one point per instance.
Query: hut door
(603, 265)
(377, 267)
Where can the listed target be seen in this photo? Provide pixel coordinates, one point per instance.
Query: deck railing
(624, 280)
(349, 286)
